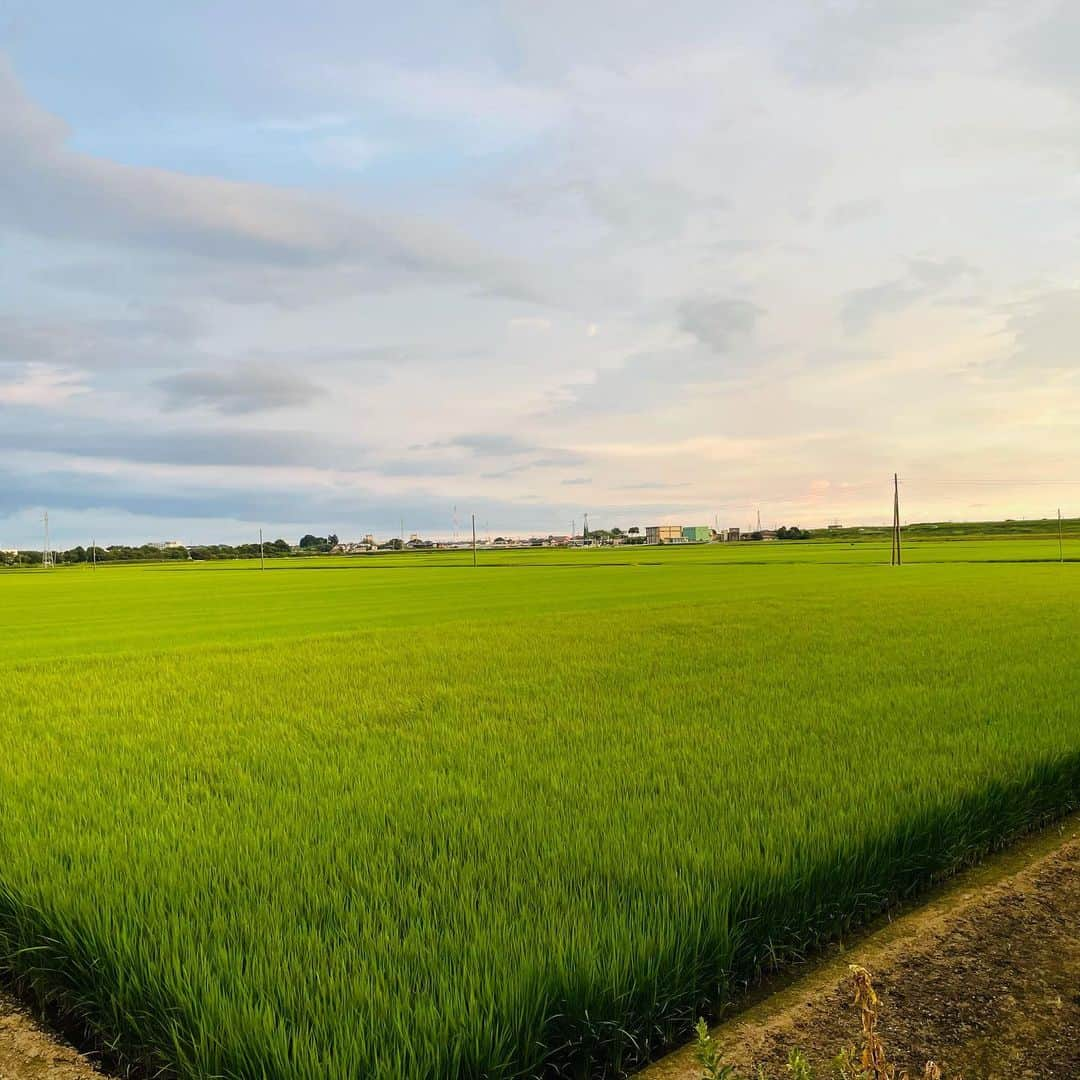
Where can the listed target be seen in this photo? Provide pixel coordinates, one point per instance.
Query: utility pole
(262, 558)
(474, 540)
(897, 558)
(1061, 547)
(892, 534)
(46, 551)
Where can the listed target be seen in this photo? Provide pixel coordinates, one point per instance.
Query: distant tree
(792, 532)
(332, 540)
(616, 531)
(633, 530)
(309, 541)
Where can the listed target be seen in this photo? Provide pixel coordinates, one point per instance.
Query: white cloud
(44, 386)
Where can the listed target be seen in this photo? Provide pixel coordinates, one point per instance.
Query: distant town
(657, 535)
(310, 544)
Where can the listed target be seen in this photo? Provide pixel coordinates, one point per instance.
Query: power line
(974, 483)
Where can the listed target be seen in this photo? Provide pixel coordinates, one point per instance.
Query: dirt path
(28, 1052)
(984, 978)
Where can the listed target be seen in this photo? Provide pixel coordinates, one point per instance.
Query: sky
(348, 269)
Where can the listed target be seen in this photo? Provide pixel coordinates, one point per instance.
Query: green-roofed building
(697, 534)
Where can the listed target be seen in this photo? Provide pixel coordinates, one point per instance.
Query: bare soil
(29, 1052)
(984, 979)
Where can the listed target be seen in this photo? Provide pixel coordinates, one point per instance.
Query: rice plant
(414, 822)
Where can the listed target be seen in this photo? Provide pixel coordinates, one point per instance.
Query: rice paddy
(402, 818)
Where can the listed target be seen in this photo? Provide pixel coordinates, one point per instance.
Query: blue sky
(331, 269)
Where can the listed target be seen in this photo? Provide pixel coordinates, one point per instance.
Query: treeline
(150, 553)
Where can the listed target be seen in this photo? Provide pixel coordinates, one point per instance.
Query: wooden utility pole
(474, 539)
(897, 558)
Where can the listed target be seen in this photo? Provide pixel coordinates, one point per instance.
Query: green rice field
(398, 817)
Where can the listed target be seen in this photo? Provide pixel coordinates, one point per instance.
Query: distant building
(352, 548)
(697, 534)
(664, 534)
(732, 536)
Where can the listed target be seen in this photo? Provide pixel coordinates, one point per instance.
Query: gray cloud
(67, 490)
(851, 43)
(925, 278)
(408, 465)
(1046, 49)
(488, 445)
(155, 337)
(853, 212)
(250, 388)
(1046, 331)
(649, 379)
(718, 321)
(347, 509)
(509, 446)
(48, 188)
(40, 431)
